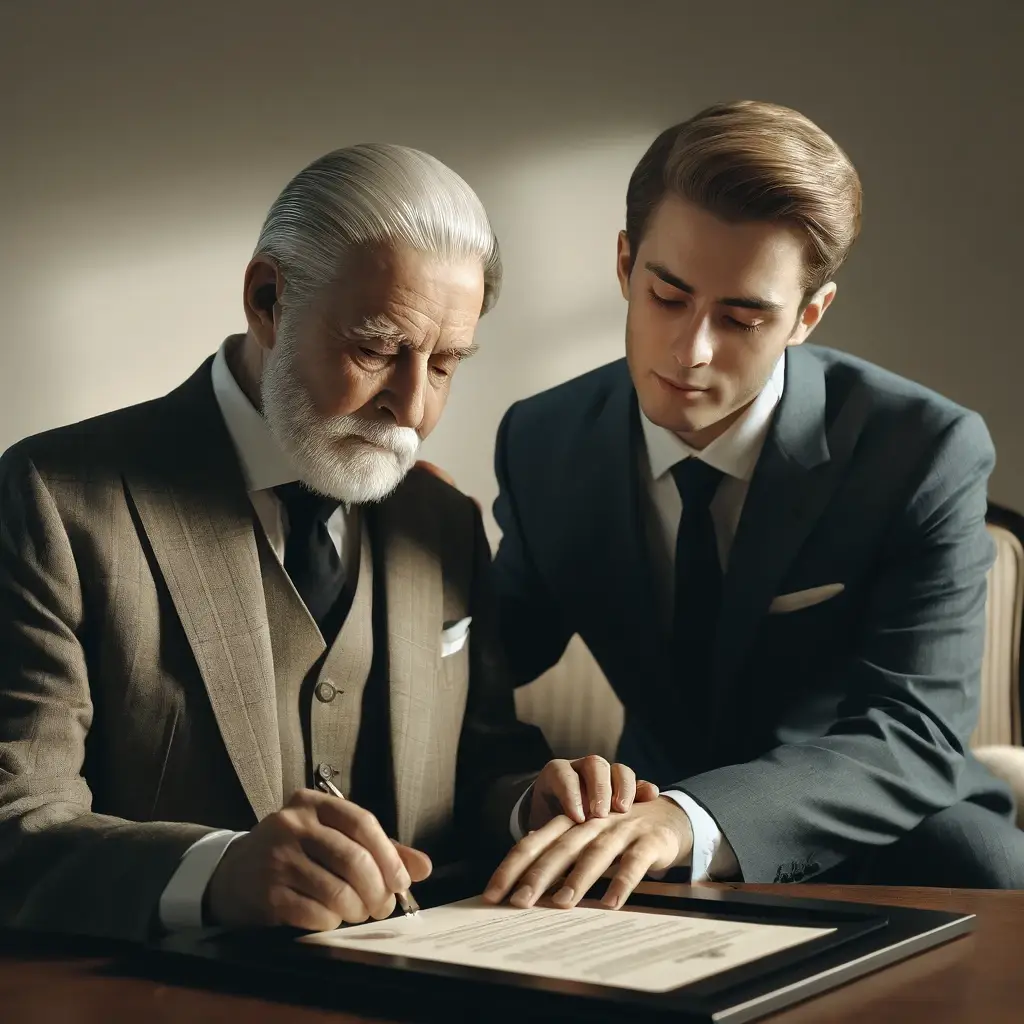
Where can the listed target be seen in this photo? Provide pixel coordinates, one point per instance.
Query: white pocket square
(454, 636)
(804, 598)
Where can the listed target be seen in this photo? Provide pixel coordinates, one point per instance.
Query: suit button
(326, 691)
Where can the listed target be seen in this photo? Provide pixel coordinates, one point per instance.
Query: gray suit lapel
(794, 479)
(606, 506)
(192, 503)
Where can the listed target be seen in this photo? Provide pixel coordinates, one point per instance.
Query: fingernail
(522, 897)
(564, 895)
(609, 901)
(596, 809)
(402, 880)
(580, 813)
(491, 895)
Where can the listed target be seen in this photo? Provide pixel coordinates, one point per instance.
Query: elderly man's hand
(315, 864)
(651, 836)
(588, 787)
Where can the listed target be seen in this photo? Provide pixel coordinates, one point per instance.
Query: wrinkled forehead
(406, 297)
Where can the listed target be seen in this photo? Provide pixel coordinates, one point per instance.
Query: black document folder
(864, 938)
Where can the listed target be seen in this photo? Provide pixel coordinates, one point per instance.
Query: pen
(406, 900)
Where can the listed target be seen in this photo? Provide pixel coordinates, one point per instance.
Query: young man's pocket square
(804, 598)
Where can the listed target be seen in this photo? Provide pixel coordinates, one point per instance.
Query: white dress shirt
(264, 467)
(735, 454)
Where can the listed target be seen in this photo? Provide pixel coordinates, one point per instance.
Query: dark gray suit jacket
(829, 731)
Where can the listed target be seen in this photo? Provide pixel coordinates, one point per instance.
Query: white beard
(349, 458)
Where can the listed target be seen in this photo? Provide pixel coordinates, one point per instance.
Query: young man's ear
(813, 312)
(623, 263)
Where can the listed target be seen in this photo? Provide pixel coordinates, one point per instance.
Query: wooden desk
(974, 980)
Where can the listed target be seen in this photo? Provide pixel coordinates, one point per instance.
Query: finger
(553, 865)
(623, 787)
(295, 910)
(359, 825)
(595, 773)
(522, 855)
(347, 860)
(417, 863)
(308, 878)
(558, 789)
(634, 864)
(646, 791)
(592, 862)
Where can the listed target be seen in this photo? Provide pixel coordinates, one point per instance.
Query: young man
(777, 553)
(213, 601)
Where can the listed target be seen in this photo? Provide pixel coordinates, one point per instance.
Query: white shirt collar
(736, 451)
(264, 464)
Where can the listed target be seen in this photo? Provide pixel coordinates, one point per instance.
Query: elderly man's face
(355, 382)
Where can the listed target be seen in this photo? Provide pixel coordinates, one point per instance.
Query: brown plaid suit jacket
(137, 699)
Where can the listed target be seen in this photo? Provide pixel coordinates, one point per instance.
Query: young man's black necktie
(698, 575)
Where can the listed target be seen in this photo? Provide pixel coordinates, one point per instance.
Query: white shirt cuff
(513, 822)
(181, 902)
(713, 857)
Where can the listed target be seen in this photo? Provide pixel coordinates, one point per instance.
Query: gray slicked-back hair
(374, 194)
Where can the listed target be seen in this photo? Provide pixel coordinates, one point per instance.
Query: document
(636, 949)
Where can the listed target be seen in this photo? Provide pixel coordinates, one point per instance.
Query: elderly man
(211, 601)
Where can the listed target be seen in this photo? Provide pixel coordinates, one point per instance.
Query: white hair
(374, 194)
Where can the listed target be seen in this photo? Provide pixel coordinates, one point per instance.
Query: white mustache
(400, 440)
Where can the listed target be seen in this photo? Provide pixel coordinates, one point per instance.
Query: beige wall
(142, 142)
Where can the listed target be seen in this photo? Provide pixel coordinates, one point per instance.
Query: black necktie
(698, 589)
(310, 557)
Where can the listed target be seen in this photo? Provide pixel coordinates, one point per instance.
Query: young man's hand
(588, 787)
(650, 836)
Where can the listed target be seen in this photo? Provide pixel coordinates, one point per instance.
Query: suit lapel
(193, 506)
(609, 525)
(406, 546)
(792, 482)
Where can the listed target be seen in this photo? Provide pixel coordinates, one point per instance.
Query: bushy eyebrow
(378, 328)
(461, 352)
(742, 302)
(382, 328)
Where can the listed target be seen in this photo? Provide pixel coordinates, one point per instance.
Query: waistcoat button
(326, 691)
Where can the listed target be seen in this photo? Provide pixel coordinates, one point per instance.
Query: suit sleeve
(531, 628)
(64, 867)
(498, 755)
(896, 752)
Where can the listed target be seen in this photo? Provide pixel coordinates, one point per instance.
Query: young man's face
(712, 306)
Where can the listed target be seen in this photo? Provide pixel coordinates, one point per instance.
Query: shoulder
(90, 448)
(434, 508)
(549, 428)
(108, 443)
(438, 518)
(429, 492)
(891, 406)
(576, 401)
(885, 390)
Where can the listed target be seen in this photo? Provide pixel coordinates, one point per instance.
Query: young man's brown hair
(754, 161)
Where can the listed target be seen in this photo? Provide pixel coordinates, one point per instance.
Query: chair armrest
(1006, 763)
